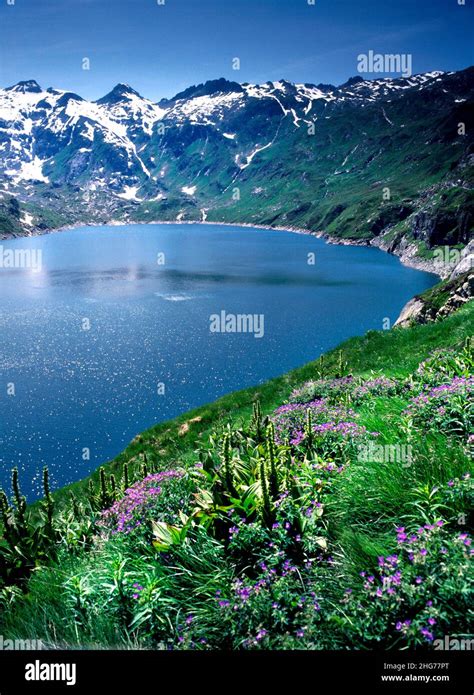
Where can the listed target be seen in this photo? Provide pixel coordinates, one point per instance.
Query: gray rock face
(466, 264)
(439, 302)
(410, 312)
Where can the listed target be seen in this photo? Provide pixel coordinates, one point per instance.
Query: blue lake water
(149, 324)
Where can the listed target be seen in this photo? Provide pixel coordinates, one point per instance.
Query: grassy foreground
(328, 508)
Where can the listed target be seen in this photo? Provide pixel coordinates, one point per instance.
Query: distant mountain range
(383, 161)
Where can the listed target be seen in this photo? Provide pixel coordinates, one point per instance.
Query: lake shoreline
(407, 259)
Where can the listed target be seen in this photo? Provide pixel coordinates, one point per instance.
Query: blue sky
(161, 50)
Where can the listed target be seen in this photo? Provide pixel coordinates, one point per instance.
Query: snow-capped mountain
(277, 153)
(56, 136)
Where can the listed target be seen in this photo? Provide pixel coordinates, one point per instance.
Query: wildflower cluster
(279, 601)
(447, 408)
(291, 422)
(334, 432)
(443, 365)
(345, 388)
(139, 500)
(372, 388)
(416, 593)
(333, 389)
(458, 496)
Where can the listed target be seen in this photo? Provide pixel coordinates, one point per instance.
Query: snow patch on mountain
(189, 190)
(205, 110)
(29, 171)
(130, 193)
(134, 110)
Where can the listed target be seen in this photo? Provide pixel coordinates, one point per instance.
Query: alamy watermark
(237, 323)
(38, 671)
(454, 644)
(20, 645)
(21, 258)
(396, 63)
(386, 453)
(449, 257)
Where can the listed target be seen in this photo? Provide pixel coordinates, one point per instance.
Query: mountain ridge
(371, 161)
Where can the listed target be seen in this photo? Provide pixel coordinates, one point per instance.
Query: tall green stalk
(5, 512)
(264, 483)
(257, 420)
(113, 486)
(227, 459)
(126, 478)
(104, 495)
(272, 462)
(20, 504)
(48, 500)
